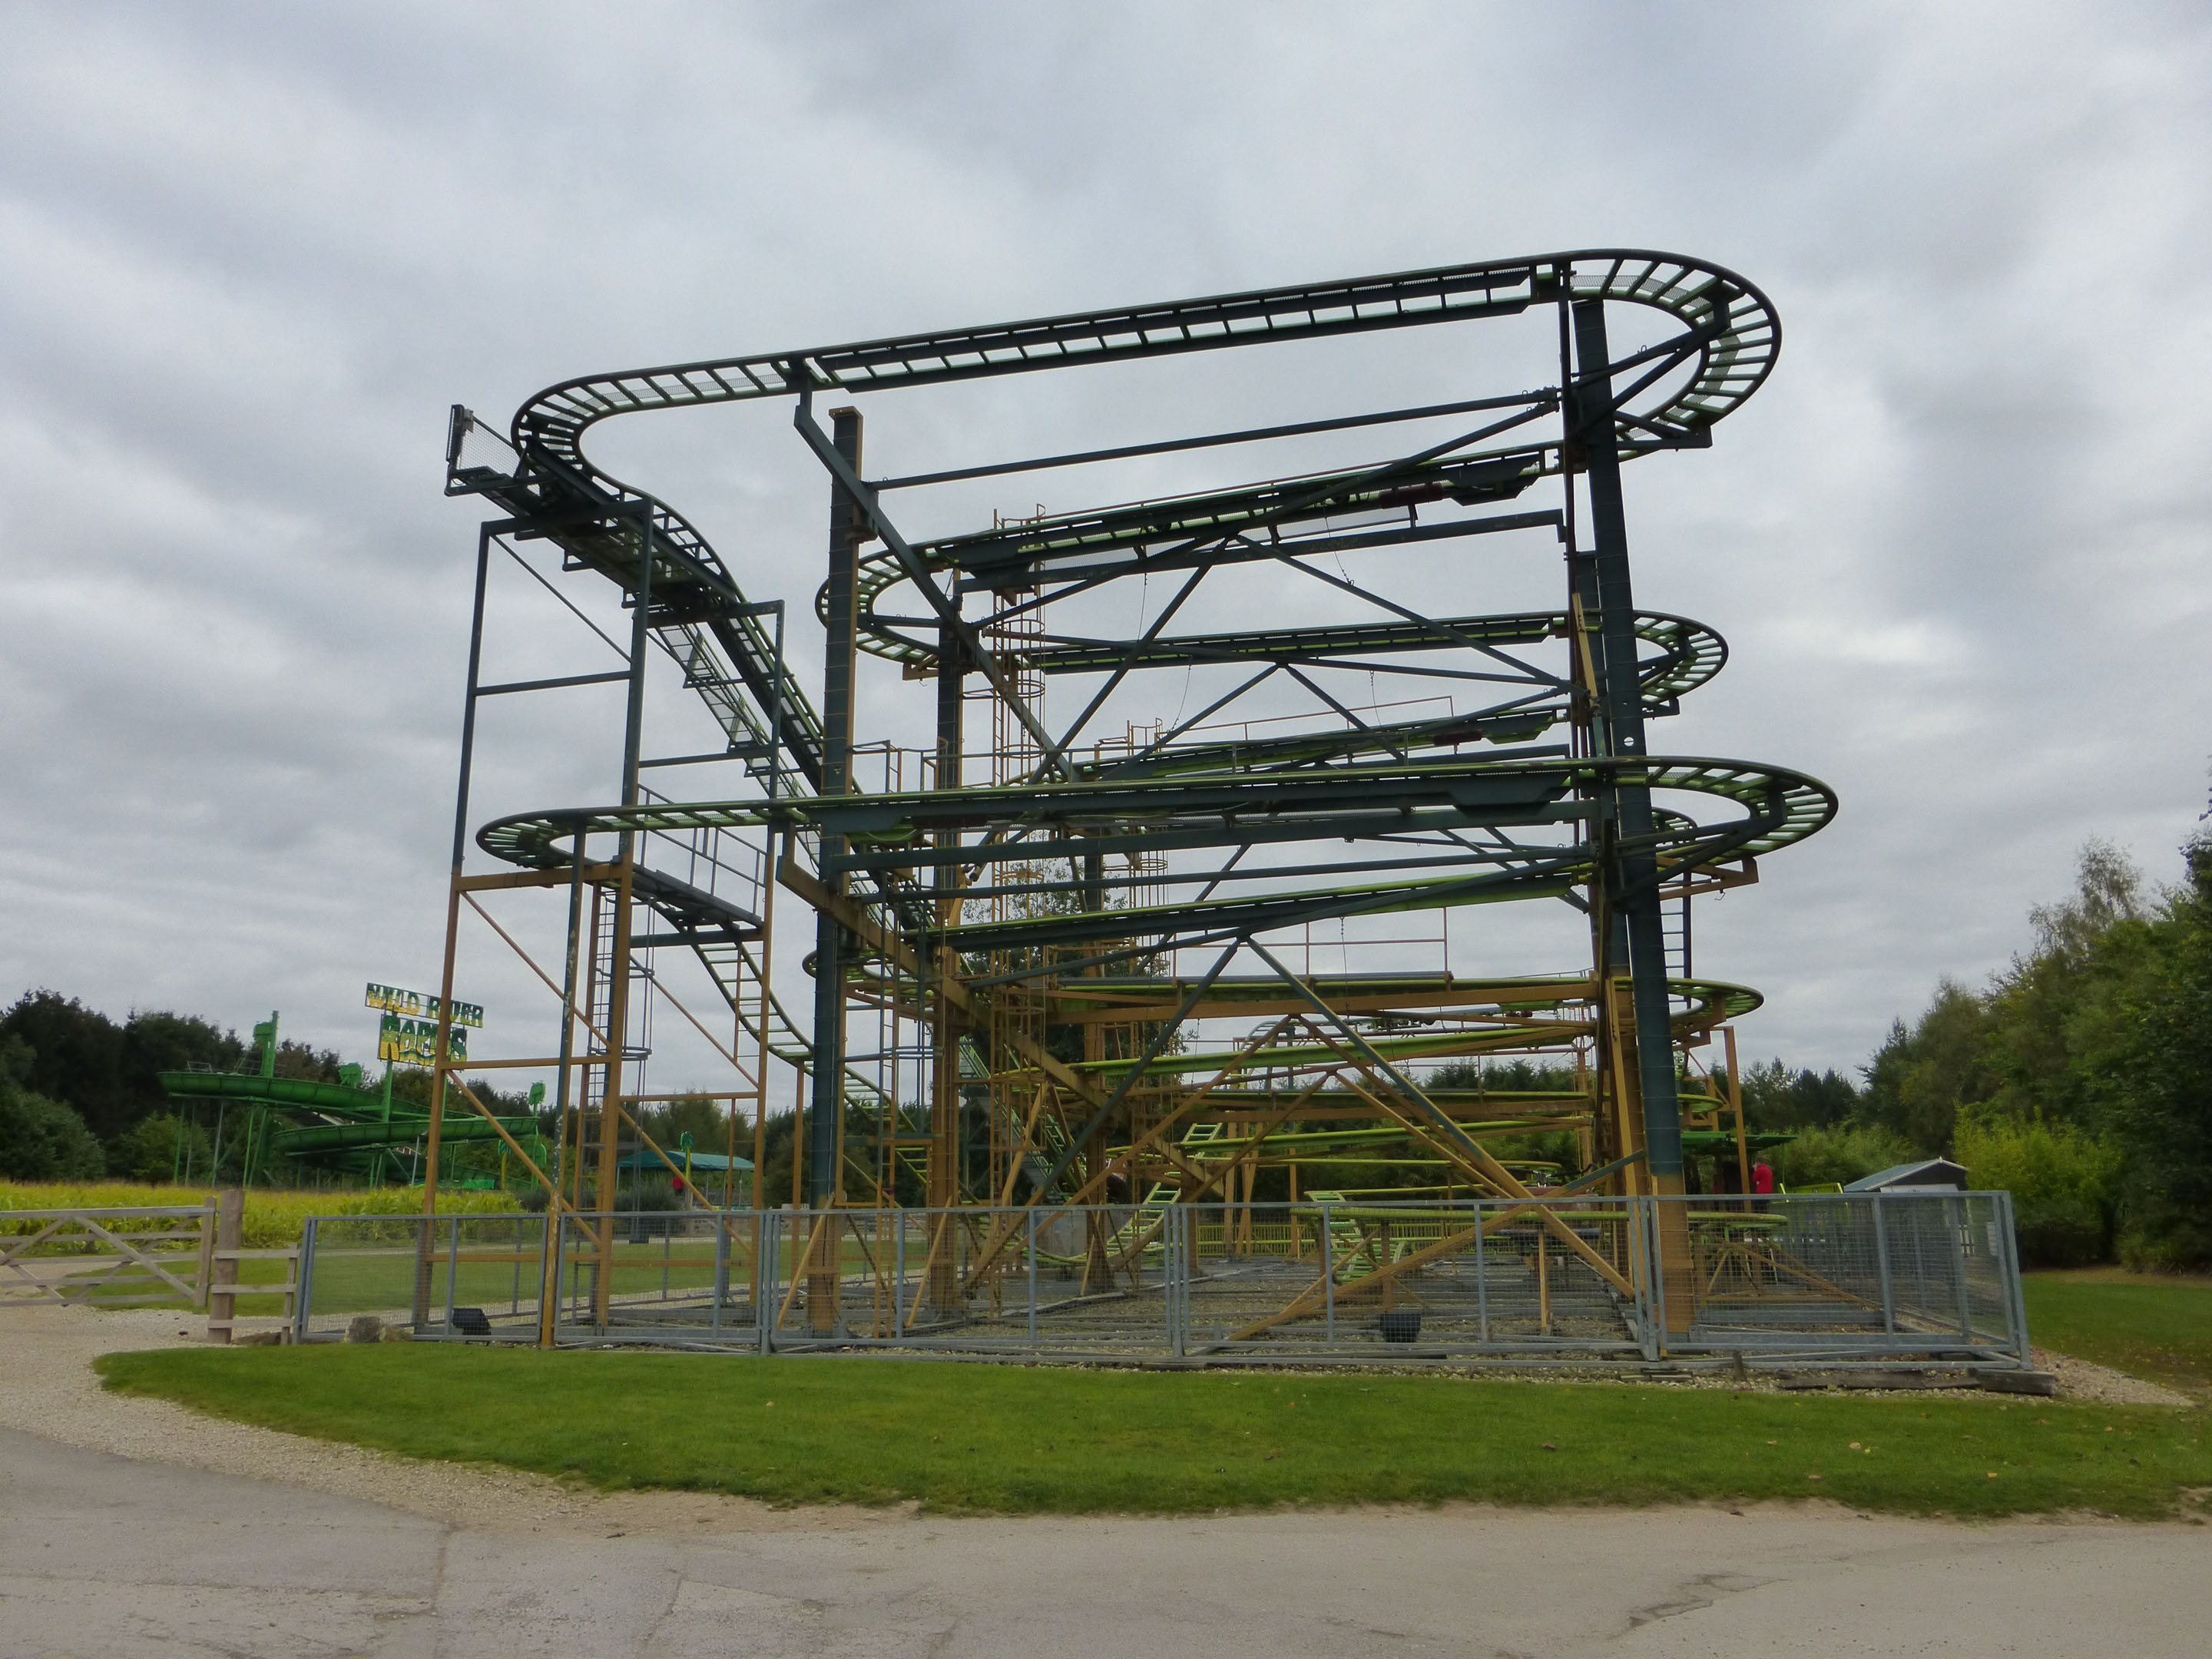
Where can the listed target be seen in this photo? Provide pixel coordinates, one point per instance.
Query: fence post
(767, 1259)
(2015, 1294)
(230, 1234)
(1033, 1232)
(1961, 1241)
(721, 1271)
(1652, 1284)
(1881, 1261)
(303, 1301)
(1178, 1225)
(898, 1277)
(1328, 1273)
(211, 1220)
(452, 1267)
(1481, 1282)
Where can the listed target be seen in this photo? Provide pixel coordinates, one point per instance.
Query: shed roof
(700, 1162)
(1924, 1172)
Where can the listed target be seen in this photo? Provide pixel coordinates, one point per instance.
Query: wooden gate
(110, 1258)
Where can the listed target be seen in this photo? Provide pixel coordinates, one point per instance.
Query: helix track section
(1020, 920)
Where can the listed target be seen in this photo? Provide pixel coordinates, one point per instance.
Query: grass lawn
(2154, 1328)
(962, 1437)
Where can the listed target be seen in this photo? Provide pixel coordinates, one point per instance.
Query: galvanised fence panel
(659, 1276)
(1369, 1277)
(1066, 1281)
(1820, 1278)
(1897, 1273)
(399, 1266)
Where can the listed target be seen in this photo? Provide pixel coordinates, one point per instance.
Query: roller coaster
(1154, 899)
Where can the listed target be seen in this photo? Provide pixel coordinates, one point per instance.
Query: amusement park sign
(408, 1034)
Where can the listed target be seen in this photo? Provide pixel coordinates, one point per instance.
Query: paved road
(102, 1555)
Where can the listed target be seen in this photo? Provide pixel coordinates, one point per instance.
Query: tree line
(81, 1094)
(2079, 1079)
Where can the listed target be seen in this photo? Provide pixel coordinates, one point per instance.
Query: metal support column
(1628, 866)
(1632, 871)
(941, 1290)
(826, 1109)
(431, 1151)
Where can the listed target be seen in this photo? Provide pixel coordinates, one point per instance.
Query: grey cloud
(249, 253)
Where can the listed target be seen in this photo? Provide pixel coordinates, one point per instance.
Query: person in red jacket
(1762, 1182)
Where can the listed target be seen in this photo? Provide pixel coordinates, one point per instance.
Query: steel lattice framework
(1076, 937)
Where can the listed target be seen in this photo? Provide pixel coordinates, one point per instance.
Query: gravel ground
(2078, 1379)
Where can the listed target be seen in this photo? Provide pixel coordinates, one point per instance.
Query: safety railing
(1867, 1276)
(1872, 1273)
(411, 1272)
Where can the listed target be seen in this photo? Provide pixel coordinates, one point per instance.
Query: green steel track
(1343, 819)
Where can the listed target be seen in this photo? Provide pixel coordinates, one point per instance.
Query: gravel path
(48, 1388)
(2078, 1379)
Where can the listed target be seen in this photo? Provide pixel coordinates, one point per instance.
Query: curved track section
(1412, 812)
(989, 914)
(1729, 338)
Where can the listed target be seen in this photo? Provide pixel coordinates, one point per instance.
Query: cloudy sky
(249, 253)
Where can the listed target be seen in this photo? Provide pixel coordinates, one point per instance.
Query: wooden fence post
(230, 1234)
(209, 1221)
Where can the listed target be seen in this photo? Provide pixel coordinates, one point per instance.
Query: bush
(2162, 1238)
(2063, 1185)
(1841, 1154)
(153, 1148)
(41, 1139)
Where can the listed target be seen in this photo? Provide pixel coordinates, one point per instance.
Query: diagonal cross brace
(863, 496)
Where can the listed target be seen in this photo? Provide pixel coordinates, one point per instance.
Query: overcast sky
(250, 253)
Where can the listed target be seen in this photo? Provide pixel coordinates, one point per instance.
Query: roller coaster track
(1728, 330)
(1430, 800)
(1431, 813)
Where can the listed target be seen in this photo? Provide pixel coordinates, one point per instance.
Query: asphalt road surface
(107, 1556)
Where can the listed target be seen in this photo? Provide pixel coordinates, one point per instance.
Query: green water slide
(327, 1126)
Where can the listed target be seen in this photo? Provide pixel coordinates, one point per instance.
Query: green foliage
(1919, 1079)
(40, 1139)
(411, 1084)
(304, 1061)
(156, 1148)
(2081, 1079)
(108, 1074)
(1775, 1097)
(1507, 1075)
(2054, 1014)
(2159, 1059)
(704, 1119)
(1841, 1154)
(1013, 1439)
(2064, 1184)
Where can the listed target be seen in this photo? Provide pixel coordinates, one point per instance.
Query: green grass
(961, 1438)
(2154, 1328)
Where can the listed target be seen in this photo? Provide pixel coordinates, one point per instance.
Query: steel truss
(1076, 944)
